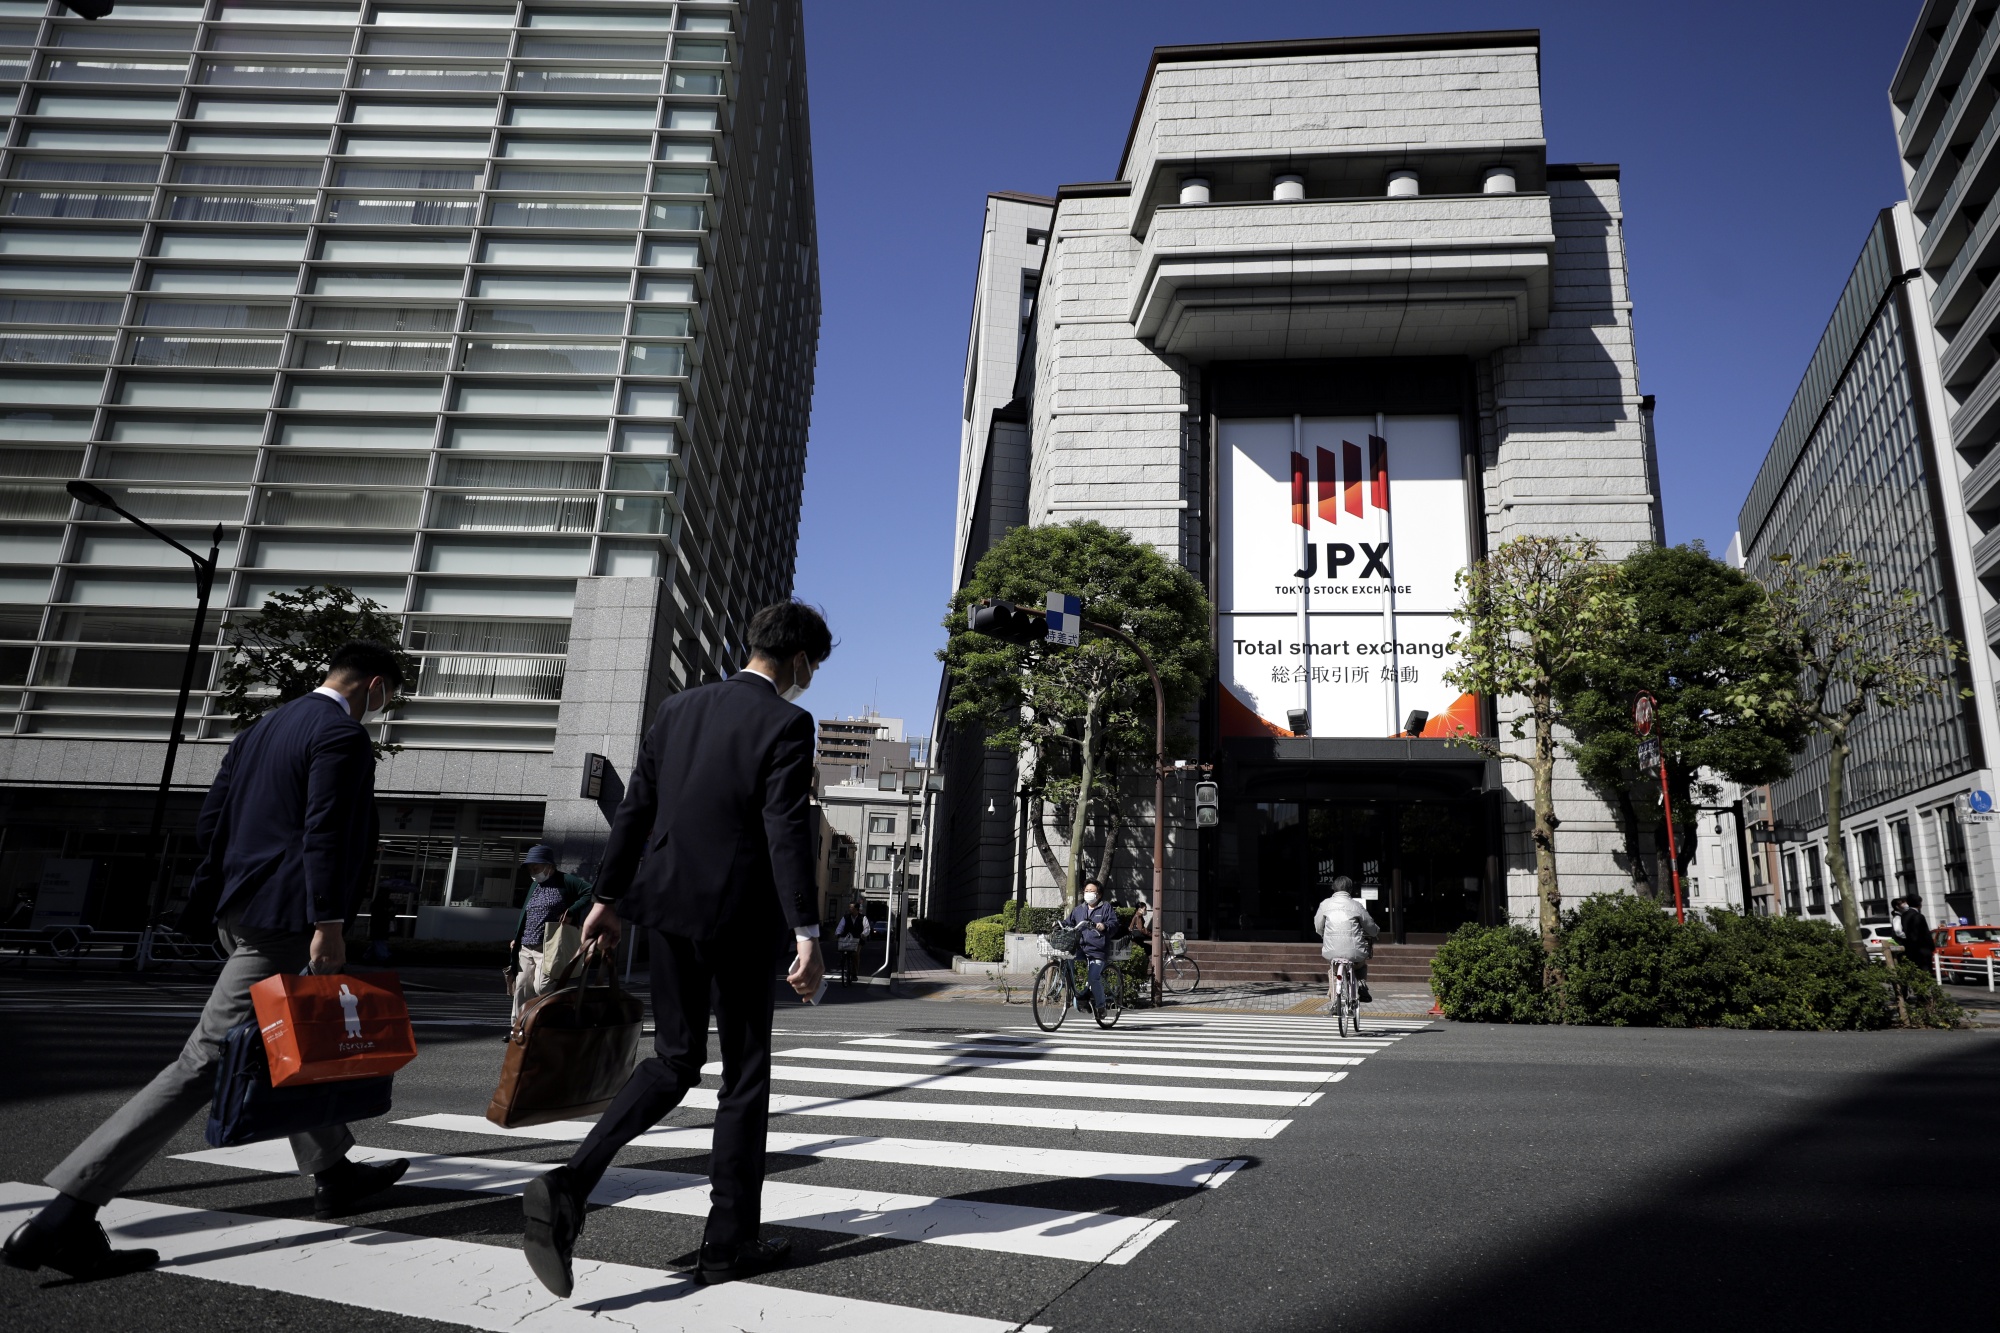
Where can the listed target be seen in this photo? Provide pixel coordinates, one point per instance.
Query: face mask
(1090, 899)
(371, 712)
(797, 687)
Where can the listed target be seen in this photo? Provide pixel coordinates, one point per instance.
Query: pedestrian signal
(1207, 803)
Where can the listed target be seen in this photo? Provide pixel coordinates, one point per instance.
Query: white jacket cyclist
(1345, 928)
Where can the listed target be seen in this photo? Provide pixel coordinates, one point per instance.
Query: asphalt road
(1459, 1176)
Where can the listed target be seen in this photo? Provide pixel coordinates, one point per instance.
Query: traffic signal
(1006, 621)
(1207, 804)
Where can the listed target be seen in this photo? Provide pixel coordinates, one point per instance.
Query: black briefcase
(247, 1109)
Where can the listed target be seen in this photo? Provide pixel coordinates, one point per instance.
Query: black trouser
(689, 976)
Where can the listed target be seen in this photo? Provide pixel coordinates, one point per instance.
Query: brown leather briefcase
(570, 1051)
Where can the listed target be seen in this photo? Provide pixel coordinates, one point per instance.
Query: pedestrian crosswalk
(1068, 1150)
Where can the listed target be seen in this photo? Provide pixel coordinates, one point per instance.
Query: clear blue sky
(1756, 145)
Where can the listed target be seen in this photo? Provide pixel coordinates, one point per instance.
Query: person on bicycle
(848, 933)
(1097, 926)
(1346, 931)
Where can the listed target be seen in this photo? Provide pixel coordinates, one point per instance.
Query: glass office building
(492, 313)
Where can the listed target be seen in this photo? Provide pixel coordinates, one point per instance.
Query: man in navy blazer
(287, 836)
(711, 851)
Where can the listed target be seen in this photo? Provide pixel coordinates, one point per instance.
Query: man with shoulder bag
(718, 805)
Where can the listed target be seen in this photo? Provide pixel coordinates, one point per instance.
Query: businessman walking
(287, 833)
(717, 804)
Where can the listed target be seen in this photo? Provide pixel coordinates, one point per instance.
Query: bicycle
(1180, 972)
(1346, 1001)
(1057, 991)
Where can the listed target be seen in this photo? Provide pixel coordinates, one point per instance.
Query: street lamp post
(204, 582)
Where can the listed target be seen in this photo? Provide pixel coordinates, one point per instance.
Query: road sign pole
(1644, 709)
(1673, 857)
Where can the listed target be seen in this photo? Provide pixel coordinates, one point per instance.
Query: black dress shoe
(551, 1220)
(349, 1187)
(746, 1260)
(80, 1249)
(1361, 989)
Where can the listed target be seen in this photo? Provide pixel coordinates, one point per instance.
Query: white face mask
(1090, 899)
(797, 687)
(372, 712)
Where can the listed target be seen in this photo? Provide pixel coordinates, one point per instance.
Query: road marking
(1008, 1228)
(1029, 1117)
(1029, 1087)
(1036, 1063)
(1161, 1051)
(1059, 1163)
(474, 1286)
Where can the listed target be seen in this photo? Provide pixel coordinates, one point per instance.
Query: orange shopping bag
(322, 1029)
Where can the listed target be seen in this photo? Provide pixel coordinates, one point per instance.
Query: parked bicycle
(1063, 985)
(1346, 1001)
(1181, 973)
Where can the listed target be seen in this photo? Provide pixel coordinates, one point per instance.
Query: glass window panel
(441, 113)
(81, 69)
(697, 21)
(629, 560)
(341, 509)
(446, 79)
(367, 396)
(533, 287)
(286, 145)
(496, 599)
(105, 108)
(563, 213)
(174, 465)
(562, 474)
(614, 180)
(584, 18)
(696, 82)
(711, 51)
(567, 400)
(394, 319)
(124, 39)
(553, 254)
(686, 150)
(29, 502)
(652, 401)
(108, 244)
(379, 145)
(407, 178)
(186, 430)
(73, 169)
(526, 439)
(539, 116)
(673, 254)
(393, 250)
(117, 548)
(230, 245)
(513, 512)
(347, 469)
(371, 354)
(53, 349)
(693, 118)
(74, 204)
(322, 15)
(387, 284)
(123, 627)
(224, 281)
(163, 350)
(387, 592)
(630, 81)
(680, 182)
(571, 150)
(99, 141)
(661, 323)
(458, 555)
(63, 389)
(634, 439)
(63, 278)
(678, 217)
(313, 553)
(265, 113)
(212, 315)
(542, 358)
(403, 212)
(403, 44)
(387, 17)
(640, 477)
(178, 503)
(20, 546)
(279, 43)
(355, 435)
(94, 589)
(31, 425)
(632, 513)
(656, 359)
(536, 319)
(244, 74)
(239, 208)
(245, 173)
(137, 392)
(576, 48)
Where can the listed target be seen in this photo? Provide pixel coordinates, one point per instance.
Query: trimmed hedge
(986, 936)
(1622, 962)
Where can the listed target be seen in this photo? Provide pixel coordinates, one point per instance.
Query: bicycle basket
(1061, 941)
(1177, 943)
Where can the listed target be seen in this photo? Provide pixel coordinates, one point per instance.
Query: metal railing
(1972, 967)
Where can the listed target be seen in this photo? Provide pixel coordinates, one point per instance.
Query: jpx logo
(1330, 484)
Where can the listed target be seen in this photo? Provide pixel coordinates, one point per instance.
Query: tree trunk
(1628, 814)
(1111, 826)
(1836, 847)
(1082, 815)
(1547, 889)
(1040, 827)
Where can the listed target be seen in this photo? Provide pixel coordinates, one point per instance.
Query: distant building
(884, 836)
(861, 749)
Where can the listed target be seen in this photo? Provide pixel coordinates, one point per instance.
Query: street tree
(280, 652)
(1857, 646)
(1531, 614)
(1071, 711)
(1703, 641)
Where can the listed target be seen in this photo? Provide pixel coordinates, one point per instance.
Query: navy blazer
(714, 836)
(287, 833)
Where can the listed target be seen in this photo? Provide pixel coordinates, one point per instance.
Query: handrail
(1938, 967)
(1981, 146)
(1936, 71)
(1934, 155)
(1982, 232)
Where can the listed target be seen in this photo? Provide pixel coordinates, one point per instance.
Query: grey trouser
(106, 1161)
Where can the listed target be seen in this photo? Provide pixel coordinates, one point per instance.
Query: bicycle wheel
(1340, 1002)
(1116, 985)
(1183, 974)
(1051, 996)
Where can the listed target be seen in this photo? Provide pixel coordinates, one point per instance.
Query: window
(382, 145)
(239, 208)
(74, 204)
(224, 281)
(669, 181)
(457, 555)
(694, 20)
(536, 399)
(498, 599)
(695, 82)
(245, 173)
(236, 73)
(399, 44)
(95, 244)
(277, 145)
(645, 439)
(364, 396)
(654, 478)
(357, 553)
(371, 354)
(231, 245)
(50, 349)
(208, 314)
(240, 431)
(881, 823)
(1906, 860)
(543, 358)
(881, 851)
(402, 212)
(686, 150)
(123, 39)
(178, 392)
(407, 178)
(661, 323)
(673, 254)
(340, 509)
(71, 169)
(693, 118)
(1815, 887)
(42, 426)
(431, 113)
(656, 359)
(677, 217)
(330, 16)
(521, 474)
(443, 18)
(574, 150)
(265, 113)
(575, 18)
(1873, 887)
(602, 180)
(558, 254)
(876, 880)
(167, 350)
(431, 79)
(513, 512)
(666, 289)
(356, 435)
(583, 48)
(339, 283)
(1957, 865)
(394, 319)
(652, 402)
(524, 439)
(542, 319)
(395, 250)
(108, 107)
(317, 469)
(631, 513)
(99, 141)
(632, 81)
(704, 51)
(278, 43)
(85, 70)
(564, 213)
(540, 288)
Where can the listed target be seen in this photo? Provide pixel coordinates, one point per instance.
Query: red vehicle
(1965, 949)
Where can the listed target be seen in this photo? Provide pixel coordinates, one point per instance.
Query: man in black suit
(287, 834)
(717, 805)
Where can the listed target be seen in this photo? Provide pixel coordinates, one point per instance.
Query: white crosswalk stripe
(1053, 1118)
(1038, 1062)
(1024, 1087)
(1125, 1050)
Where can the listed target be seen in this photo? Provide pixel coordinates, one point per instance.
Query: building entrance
(1418, 865)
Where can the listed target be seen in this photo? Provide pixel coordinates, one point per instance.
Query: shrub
(986, 939)
(1788, 973)
(1620, 961)
(1925, 1004)
(1490, 974)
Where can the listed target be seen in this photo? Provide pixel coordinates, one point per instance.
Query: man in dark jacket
(287, 834)
(1916, 932)
(1098, 925)
(717, 805)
